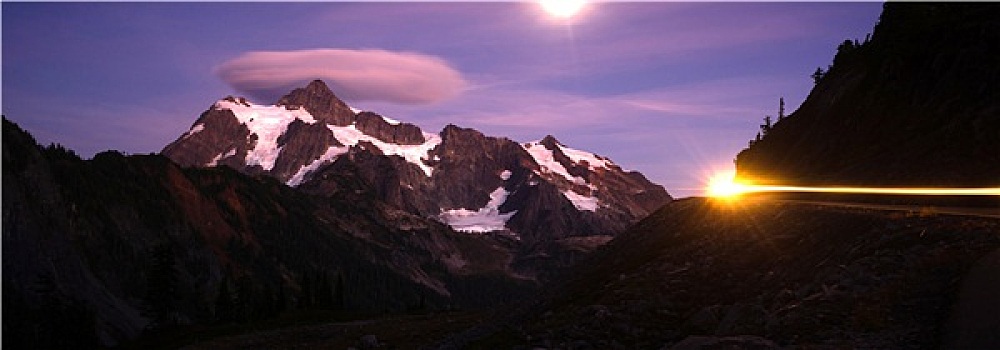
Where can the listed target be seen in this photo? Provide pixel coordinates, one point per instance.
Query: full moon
(562, 8)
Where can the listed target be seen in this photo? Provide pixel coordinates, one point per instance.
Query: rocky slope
(537, 191)
(698, 274)
(99, 251)
(757, 274)
(918, 104)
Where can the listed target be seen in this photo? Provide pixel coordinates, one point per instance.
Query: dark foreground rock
(785, 273)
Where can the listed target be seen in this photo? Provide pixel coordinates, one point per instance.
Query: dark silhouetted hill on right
(916, 105)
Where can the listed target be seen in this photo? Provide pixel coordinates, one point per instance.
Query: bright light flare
(562, 9)
(723, 185)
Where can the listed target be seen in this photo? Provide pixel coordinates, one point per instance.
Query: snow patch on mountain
(505, 175)
(547, 161)
(329, 156)
(486, 219)
(390, 120)
(221, 156)
(414, 154)
(593, 161)
(194, 130)
(268, 123)
(581, 202)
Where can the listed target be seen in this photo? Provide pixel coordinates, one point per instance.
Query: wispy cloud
(356, 75)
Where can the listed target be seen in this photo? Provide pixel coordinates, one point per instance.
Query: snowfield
(486, 219)
(268, 123)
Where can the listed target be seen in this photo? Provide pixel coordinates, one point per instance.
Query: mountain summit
(320, 102)
(535, 191)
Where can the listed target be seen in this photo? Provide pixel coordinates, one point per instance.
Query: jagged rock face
(227, 136)
(300, 144)
(538, 191)
(472, 164)
(481, 183)
(318, 100)
(391, 132)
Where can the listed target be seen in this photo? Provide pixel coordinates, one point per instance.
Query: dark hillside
(918, 104)
(761, 274)
(100, 251)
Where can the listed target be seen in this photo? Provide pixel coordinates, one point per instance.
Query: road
(920, 209)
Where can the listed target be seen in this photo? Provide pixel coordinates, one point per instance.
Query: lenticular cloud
(355, 75)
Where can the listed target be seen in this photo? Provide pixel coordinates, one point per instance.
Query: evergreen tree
(844, 51)
(339, 299)
(306, 300)
(766, 127)
(324, 293)
(244, 300)
(781, 108)
(281, 300)
(818, 75)
(420, 306)
(161, 287)
(55, 322)
(225, 310)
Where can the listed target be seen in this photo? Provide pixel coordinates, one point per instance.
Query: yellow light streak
(920, 191)
(724, 186)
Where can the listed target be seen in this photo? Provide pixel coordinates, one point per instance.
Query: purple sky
(673, 90)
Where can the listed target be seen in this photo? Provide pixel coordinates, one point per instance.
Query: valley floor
(410, 331)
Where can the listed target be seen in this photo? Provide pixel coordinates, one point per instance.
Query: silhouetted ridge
(918, 104)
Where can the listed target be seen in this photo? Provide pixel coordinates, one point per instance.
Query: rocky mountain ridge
(536, 191)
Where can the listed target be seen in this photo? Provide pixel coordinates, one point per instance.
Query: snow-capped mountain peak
(538, 190)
